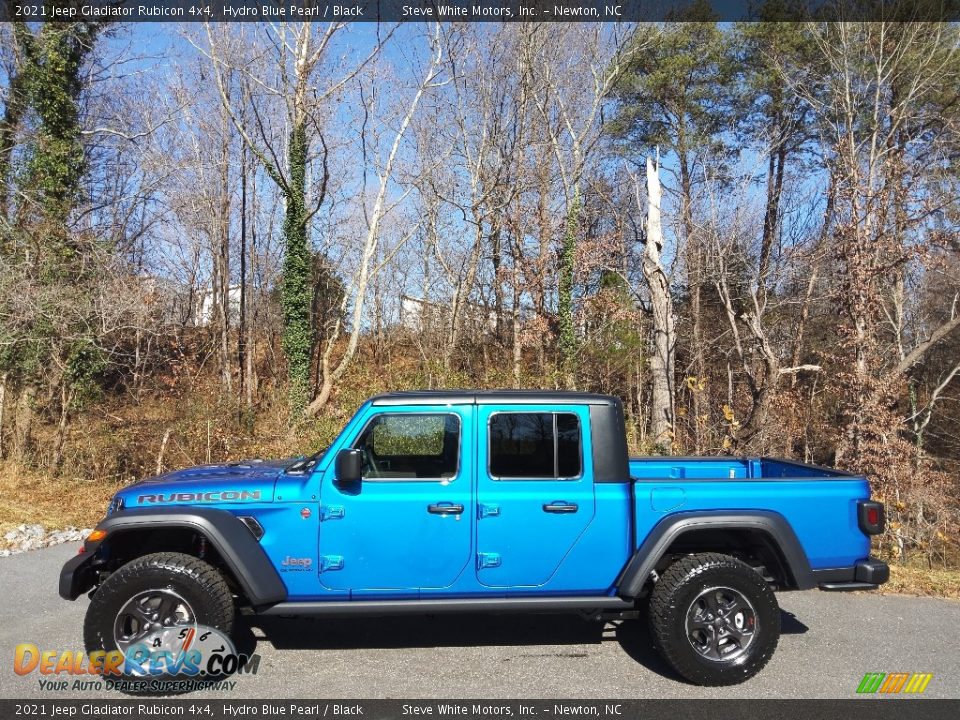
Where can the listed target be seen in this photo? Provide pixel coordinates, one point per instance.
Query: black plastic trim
(863, 508)
(347, 608)
(634, 576)
(491, 397)
(609, 438)
(610, 457)
(255, 528)
(834, 575)
(77, 576)
(230, 537)
(847, 586)
(864, 575)
(873, 571)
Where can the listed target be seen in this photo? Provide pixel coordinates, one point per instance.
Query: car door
(407, 524)
(535, 491)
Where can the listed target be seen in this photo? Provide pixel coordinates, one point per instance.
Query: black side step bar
(430, 606)
(846, 586)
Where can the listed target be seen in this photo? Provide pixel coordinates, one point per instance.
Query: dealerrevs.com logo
(894, 683)
(195, 657)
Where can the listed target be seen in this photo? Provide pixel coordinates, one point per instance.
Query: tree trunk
(763, 384)
(23, 426)
(496, 254)
(460, 299)
(796, 351)
(250, 383)
(694, 256)
(163, 450)
(777, 160)
(242, 320)
(66, 397)
(3, 398)
(661, 303)
(326, 387)
(516, 338)
(223, 274)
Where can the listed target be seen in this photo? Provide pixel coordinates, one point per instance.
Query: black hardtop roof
(492, 397)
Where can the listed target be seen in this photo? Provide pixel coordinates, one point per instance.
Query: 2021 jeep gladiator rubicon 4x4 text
(499, 501)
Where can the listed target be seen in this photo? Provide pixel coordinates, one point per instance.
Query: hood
(228, 483)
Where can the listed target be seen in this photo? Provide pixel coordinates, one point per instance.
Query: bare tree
(878, 94)
(304, 77)
(332, 371)
(662, 369)
(571, 109)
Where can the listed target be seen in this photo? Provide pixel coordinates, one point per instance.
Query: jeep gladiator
(485, 501)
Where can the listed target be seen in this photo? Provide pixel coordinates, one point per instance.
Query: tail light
(870, 517)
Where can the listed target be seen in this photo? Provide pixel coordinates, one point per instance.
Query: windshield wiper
(306, 463)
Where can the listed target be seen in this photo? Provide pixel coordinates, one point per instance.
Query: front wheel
(714, 619)
(153, 602)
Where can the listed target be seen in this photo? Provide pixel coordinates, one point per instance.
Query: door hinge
(484, 510)
(488, 560)
(331, 562)
(331, 512)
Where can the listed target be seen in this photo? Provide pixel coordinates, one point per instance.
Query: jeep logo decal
(218, 496)
(295, 564)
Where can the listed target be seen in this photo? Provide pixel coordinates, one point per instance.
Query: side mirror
(349, 465)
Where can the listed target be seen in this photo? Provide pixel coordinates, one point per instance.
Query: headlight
(115, 505)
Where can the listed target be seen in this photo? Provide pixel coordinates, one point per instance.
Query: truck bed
(818, 503)
(730, 468)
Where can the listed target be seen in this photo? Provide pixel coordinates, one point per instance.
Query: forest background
(217, 240)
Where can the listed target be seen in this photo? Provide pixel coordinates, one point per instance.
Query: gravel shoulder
(830, 641)
(24, 538)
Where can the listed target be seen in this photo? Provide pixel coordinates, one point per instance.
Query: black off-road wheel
(152, 600)
(714, 619)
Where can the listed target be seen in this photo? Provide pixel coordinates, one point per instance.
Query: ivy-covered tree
(46, 266)
(54, 165)
(300, 73)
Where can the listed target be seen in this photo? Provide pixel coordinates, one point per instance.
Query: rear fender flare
(634, 576)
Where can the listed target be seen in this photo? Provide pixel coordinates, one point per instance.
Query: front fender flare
(232, 540)
(636, 572)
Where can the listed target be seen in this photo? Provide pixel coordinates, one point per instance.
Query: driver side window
(410, 447)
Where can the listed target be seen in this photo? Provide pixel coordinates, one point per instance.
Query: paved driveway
(829, 641)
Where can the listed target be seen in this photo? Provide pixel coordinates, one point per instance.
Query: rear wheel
(714, 619)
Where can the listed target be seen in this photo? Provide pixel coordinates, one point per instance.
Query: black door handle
(445, 508)
(560, 507)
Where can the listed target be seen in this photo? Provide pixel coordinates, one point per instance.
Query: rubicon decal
(202, 497)
(894, 683)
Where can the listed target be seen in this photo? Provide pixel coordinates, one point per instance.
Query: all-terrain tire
(701, 579)
(197, 582)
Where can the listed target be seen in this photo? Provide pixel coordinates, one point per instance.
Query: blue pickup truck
(483, 501)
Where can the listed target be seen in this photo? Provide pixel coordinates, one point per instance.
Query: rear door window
(529, 446)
